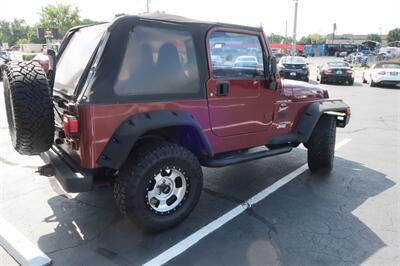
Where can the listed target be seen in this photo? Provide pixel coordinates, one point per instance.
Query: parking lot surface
(349, 217)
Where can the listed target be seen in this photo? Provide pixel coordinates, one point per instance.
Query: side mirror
(52, 68)
(273, 65)
(272, 71)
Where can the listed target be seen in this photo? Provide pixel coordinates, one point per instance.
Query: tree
(312, 39)
(61, 16)
(275, 38)
(374, 37)
(394, 35)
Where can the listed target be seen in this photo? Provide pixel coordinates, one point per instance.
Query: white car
(384, 73)
(246, 61)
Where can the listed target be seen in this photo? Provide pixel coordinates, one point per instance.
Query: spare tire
(29, 107)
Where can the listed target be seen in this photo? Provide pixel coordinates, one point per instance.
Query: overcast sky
(314, 16)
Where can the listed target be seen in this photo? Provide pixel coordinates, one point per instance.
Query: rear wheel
(351, 82)
(372, 83)
(321, 145)
(29, 107)
(159, 185)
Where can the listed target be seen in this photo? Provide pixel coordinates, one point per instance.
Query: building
(352, 39)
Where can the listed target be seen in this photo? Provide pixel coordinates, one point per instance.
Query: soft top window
(158, 62)
(76, 56)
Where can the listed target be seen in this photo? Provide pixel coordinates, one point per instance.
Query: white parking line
(19, 247)
(189, 241)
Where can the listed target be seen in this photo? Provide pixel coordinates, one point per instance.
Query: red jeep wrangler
(153, 98)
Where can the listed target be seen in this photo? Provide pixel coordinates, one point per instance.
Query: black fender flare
(124, 138)
(309, 119)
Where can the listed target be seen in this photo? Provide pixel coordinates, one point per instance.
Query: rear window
(388, 65)
(292, 60)
(158, 61)
(337, 64)
(76, 56)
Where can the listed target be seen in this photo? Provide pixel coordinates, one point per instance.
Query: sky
(314, 16)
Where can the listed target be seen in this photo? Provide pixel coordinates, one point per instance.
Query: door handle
(222, 89)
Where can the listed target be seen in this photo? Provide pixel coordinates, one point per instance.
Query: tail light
(349, 71)
(71, 125)
(328, 71)
(381, 73)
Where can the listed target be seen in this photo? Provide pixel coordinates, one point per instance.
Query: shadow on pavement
(308, 221)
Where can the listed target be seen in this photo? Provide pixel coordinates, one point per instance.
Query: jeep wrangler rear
(152, 99)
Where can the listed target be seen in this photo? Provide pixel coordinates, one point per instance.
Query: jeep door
(239, 99)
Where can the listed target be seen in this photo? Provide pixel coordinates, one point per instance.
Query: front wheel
(159, 185)
(321, 145)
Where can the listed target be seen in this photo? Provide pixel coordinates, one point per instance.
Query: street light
(294, 27)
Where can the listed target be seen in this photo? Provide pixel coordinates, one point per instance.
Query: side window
(158, 61)
(236, 56)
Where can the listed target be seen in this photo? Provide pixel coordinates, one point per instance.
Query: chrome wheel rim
(167, 190)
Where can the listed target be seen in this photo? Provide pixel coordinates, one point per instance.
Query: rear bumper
(297, 76)
(334, 78)
(71, 178)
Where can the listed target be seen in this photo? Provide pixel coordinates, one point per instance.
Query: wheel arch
(175, 126)
(310, 118)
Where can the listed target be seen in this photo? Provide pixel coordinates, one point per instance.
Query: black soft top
(100, 89)
(168, 18)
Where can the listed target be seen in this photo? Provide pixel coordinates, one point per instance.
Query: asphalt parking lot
(349, 217)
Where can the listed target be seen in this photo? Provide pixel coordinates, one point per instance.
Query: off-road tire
(139, 169)
(321, 145)
(29, 107)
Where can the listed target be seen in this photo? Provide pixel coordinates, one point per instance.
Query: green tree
(87, 21)
(374, 37)
(312, 39)
(5, 31)
(11, 32)
(61, 16)
(394, 35)
(275, 38)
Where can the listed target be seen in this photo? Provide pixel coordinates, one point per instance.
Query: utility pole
(148, 6)
(294, 27)
(334, 31)
(285, 31)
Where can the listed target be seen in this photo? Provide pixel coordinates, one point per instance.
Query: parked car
(294, 67)
(335, 71)
(43, 60)
(246, 61)
(147, 107)
(384, 73)
(4, 59)
(350, 58)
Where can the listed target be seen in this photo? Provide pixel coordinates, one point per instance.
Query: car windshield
(293, 60)
(337, 64)
(388, 65)
(76, 56)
